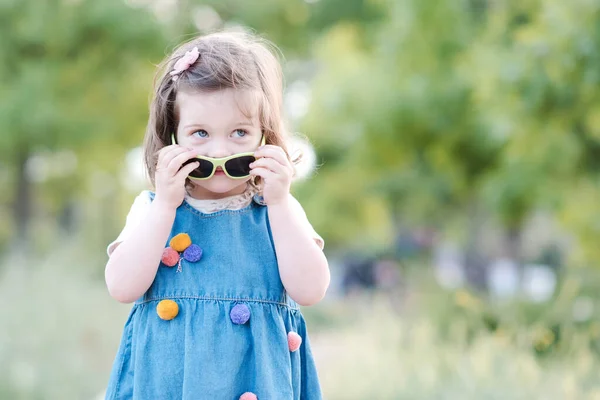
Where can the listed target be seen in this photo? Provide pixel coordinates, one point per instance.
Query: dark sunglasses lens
(239, 166)
(203, 171)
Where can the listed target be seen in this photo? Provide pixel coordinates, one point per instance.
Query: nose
(216, 149)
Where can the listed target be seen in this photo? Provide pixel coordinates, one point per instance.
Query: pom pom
(167, 309)
(170, 257)
(193, 253)
(180, 242)
(248, 396)
(240, 314)
(294, 341)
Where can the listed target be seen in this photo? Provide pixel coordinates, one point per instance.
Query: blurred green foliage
(437, 113)
(421, 112)
(443, 107)
(74, 83)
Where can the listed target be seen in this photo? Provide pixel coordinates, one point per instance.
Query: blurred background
(453, 170)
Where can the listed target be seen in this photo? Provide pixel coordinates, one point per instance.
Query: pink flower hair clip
(184, 63)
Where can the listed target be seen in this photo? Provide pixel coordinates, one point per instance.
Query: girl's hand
(276, 170)
(169, 179)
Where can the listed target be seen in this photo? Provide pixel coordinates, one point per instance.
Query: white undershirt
(142, 202)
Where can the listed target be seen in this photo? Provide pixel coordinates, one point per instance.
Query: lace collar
(235, 202)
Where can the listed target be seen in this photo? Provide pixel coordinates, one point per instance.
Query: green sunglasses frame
(220, 162)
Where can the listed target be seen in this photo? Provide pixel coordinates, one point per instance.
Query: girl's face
(213, 124)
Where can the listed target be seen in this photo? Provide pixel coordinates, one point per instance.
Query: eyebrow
(247, 123)
(192, 126)
(241, 123)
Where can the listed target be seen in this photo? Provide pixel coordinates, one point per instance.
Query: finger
(165, 166)
(274, 152)
(177, 161)
(270, 164)
(186, 170)
(165, 150)
(163, 162)
(165, 158)
(264, 173)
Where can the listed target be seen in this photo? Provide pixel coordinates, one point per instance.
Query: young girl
(217, 258)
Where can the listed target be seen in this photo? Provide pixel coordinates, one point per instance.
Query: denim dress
(217, 324)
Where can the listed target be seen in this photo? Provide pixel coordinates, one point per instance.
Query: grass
(383, 356)
(60, 332)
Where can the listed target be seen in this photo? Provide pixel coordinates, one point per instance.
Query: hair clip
(184, 62)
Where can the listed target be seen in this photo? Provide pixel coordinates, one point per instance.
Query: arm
(132, 266)
(303, 266)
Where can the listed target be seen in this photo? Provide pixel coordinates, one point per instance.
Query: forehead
(221, 105)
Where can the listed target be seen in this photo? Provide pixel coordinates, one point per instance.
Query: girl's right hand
(169, 177)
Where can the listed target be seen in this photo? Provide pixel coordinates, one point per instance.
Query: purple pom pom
(240, 314)
(193, 253)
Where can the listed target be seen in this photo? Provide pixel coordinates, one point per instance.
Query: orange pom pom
(170, 257)
(167, 309)
(294, 341)
(180, 242)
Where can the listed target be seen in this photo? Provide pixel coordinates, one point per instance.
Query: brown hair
(227, 60)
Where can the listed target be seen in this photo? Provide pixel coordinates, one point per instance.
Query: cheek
(181, 139)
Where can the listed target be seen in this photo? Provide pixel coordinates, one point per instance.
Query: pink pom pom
(248, 396)
(294, 341)
(170, 257)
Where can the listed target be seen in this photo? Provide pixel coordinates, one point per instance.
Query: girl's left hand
(276, 170)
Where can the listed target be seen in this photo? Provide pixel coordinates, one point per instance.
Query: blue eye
(240, 132)
(200, 133)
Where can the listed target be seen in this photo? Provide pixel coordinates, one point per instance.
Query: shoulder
(145, 196)
(139, 207)
(299, 211)
(137, 212)
(143, 199)
(296, 206)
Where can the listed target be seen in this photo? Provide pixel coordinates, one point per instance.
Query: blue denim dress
(235, 332)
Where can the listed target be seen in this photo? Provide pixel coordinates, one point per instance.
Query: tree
(66, 69)
(458, 107)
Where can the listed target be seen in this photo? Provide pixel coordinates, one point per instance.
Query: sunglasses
(236, 166)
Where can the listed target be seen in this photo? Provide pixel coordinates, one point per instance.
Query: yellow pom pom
(167, 309)
(180, 242)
